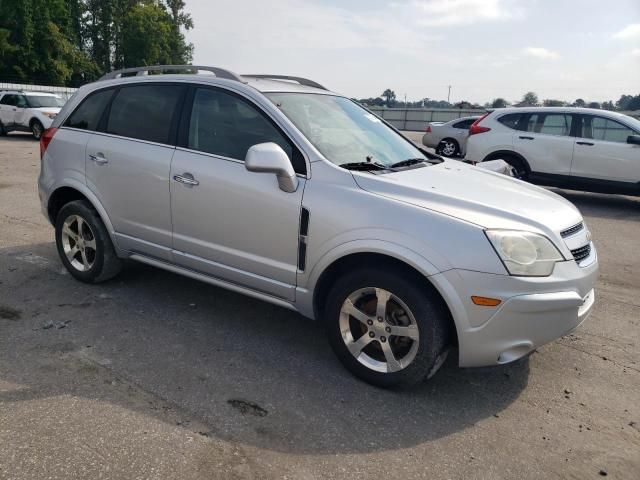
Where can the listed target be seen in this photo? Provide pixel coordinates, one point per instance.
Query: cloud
(542, 53)
(629, 32)
(635, 52)
(444, 13)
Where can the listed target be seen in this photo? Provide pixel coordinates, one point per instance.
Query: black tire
(430, 315)
(106, 264)
(3, 132)
(36, 129)
(448, 147)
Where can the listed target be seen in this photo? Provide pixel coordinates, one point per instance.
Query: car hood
(476, 195)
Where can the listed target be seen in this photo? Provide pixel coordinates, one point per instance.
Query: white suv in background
(28, 111)
(577, 148)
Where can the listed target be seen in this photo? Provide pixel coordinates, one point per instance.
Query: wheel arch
(64, 194)
(33, 120)
(381, 260)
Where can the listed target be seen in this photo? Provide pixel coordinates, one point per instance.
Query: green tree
(145, 36)
(549, 102)
(499, 103)
(181, 52)
(530, 98)
(594, 105)
(579, 103)
(389, 96)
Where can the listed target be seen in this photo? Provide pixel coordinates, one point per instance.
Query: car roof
(22, 92)
(592, 111)
(264, 85)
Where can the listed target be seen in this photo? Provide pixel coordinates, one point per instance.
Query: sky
(560, 49)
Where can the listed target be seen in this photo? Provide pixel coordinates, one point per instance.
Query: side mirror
(633, 139)
(271, 158)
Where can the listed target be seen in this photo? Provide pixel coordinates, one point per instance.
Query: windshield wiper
(364, 166)
(408, 162)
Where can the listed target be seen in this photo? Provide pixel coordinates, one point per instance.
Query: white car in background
(450, 138)
(576, 148)
(28, 111)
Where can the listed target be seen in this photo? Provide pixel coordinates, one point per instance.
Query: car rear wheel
(448, 147)
(36, 129)
(385, 328)
(84, 244)
(3, 132)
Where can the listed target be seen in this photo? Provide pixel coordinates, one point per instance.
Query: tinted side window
(599, 128)
(226, 125)
(510, 120)
(144, 112)
(465, 124)
(87, 115)
(8, 100)
(21, 101)
(550, 123)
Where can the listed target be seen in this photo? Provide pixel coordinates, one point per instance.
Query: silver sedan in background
(450, 138)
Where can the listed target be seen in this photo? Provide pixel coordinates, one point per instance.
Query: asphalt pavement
(156, 376)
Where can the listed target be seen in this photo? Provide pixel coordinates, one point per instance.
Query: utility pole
(449, 94)
(405, 100)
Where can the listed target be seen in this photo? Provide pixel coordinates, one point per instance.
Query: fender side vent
(302, 239)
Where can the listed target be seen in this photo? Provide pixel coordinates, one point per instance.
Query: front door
(228, 222)
(603, 154)
(128, 165)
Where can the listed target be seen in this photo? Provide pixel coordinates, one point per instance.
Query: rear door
(461, 133)
(602, 152)
(128, 163)
(21, 114)
(546, 143)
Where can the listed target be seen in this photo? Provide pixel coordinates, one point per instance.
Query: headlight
(525, 253)
(50, 115)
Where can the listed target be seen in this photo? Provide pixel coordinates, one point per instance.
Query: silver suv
(279, 189)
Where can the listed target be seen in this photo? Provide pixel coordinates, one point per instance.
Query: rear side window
(598, 128)
(550, 123)
(8, 100)
(511, 120)
(87, 115)
(226, 125)
(465, 124)
(144, 112)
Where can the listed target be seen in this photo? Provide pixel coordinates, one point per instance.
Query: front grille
(581, 253)
(571, 230)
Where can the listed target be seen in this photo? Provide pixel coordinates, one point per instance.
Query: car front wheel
(385, 327)
(84, 244)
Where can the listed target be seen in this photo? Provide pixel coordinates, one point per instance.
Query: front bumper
(534, 311)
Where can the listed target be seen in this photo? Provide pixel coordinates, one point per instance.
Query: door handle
(187, 179)
(526, 138)
(98, 158)
(585, 143)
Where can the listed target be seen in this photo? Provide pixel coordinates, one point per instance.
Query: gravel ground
(156, 376)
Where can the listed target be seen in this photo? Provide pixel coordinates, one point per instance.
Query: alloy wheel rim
(448, 148)
(379, 330)
(78, 243)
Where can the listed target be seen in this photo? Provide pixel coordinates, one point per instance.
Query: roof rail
(302, 81)
(219, 72)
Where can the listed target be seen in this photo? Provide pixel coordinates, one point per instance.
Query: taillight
(428, 130)
(476, 128)
(45, 140)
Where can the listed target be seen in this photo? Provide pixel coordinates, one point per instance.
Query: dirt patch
(248, 408)
(9, 313)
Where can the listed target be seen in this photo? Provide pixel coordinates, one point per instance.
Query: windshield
(343, 131)
(37, 101)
